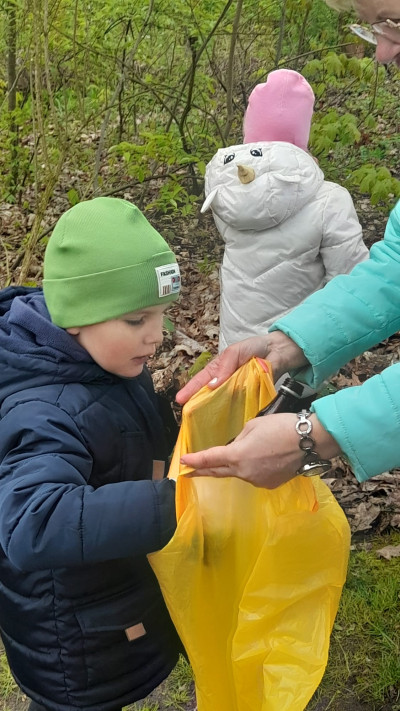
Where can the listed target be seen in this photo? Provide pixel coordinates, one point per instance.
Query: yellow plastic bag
(252, 578)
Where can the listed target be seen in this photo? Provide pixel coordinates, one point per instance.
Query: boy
(82, 460)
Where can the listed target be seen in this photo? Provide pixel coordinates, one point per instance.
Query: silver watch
(312, 463)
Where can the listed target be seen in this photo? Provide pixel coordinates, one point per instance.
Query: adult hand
(279, 349)
(266, 453)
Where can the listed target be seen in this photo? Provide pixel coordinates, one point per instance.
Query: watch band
(312, 463)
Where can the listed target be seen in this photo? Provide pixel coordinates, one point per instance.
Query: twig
(116, 94)
(281, 36)
(230, 70)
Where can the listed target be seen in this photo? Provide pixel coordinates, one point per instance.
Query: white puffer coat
(287, 232)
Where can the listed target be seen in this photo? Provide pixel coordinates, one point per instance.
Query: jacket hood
(280, 179)
(35, 352)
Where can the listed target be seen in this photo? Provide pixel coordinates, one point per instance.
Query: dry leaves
(389, 552)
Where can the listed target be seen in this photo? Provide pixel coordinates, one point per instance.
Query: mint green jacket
(348, 316)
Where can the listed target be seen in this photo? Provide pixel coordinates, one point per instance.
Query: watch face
(317, 469)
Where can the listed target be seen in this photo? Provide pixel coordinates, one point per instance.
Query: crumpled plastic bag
(252, 578)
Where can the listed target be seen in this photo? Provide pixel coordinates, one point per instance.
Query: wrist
(281, 433)
(284, 352)
(326, 445)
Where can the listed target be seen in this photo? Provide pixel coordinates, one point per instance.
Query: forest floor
(372, 508)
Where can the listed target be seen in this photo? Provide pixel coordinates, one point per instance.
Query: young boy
(82, 461)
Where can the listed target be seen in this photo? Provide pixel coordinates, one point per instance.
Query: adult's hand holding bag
(252, 578)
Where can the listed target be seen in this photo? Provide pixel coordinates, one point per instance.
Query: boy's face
(123, 345)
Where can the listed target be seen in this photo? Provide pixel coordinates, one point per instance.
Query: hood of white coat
(286, 179)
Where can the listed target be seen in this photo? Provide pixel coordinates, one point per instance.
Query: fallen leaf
(389, 552)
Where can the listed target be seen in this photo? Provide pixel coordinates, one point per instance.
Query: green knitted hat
(103, 260)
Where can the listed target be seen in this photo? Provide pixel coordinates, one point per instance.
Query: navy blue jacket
(81, 613)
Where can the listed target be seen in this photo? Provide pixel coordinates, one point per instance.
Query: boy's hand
(283, 354)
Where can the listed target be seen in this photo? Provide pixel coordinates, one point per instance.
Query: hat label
(169, 279)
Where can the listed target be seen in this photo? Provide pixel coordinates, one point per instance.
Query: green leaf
(368, 182)
(355, 67)
(199, 363)
(380, 191)
(383, 173)
(168, 325)
(370, 121)
(312, 68)
(333, 64)
(331, 130)
(396, 187)
(73, 197)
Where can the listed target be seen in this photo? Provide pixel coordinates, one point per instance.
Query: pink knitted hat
(281, 109)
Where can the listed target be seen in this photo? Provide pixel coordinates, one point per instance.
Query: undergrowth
(364, 659)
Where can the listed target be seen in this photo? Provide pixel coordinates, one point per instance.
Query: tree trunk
(12, 88)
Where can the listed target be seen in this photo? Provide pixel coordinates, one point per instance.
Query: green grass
(364, 659)
(10, 696)
(176, 694)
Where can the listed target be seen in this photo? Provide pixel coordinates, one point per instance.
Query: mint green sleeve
(348, 316)
(352, 312)
(365, 421)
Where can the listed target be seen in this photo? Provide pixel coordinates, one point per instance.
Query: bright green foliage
(207, 265)
(164, 149)
(14, 155)
(377, 182)
(73, 197)
(174, 694)
(331, 129)
(346, 135)
(333, 67)
(168, 325)
(7, 683)
(137, 93)
(157, 153)
(364, 658)
(199, 363)
(172, 197)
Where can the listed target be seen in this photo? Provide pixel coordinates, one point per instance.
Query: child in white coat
(287, 231)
